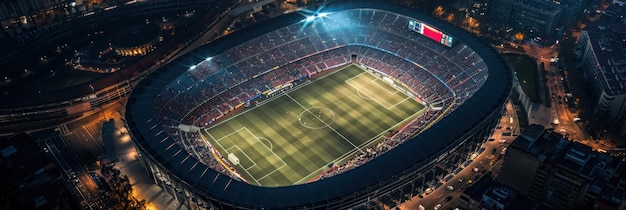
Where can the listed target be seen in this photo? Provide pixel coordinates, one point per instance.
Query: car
(450, 187)
(475, 170)
(448, 199)
(438, 206)
(469, 182)
(461, 180)
(493, 151)
(420, 196)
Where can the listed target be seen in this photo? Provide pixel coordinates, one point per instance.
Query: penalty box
(384, 94)
(253, 154)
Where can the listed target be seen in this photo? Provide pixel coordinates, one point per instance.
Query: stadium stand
(444, 78)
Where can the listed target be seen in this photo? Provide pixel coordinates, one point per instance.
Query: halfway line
(327, 125)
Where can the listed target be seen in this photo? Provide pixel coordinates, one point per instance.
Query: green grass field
(526, 72)
(293, 137)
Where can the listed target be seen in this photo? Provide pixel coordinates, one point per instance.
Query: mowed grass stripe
(301, 149)
(305, 151)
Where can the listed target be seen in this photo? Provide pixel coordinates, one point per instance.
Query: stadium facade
(466, 86)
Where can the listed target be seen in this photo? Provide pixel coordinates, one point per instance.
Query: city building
(535, 18)
(498, 198)
(487, 194)
(542, 20)
(30, 180)
(548, 169)
(602, 53)
(136, 40)
(19, 11)
(25, 109)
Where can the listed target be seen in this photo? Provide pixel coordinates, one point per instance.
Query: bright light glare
(192, 67)
(310, 18)
(208, 59)
(323, 14)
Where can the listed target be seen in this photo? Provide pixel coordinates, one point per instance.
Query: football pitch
(294, 136)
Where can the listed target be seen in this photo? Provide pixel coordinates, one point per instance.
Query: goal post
(388, 80)
(233, 159)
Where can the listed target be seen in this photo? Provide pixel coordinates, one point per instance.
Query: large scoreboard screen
(431, 32)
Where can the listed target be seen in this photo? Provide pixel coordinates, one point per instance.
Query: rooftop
(608, 40)
(137, 35)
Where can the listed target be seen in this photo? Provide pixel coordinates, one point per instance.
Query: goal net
(233, 159)
(388, 80)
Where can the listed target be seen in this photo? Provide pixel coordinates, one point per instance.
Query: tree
(438, 11)
(450, 17)
(519, 36)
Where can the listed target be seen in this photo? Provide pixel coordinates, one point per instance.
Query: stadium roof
(149, 134)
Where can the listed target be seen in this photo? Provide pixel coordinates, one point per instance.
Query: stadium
(355, 105)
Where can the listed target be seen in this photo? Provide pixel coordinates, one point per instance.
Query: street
(488, 161)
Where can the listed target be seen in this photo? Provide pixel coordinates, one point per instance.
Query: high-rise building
(30, 180)
(535, 18)
(16, 8)
(602, 52)
(548, 169)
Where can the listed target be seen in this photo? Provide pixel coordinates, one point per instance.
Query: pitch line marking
(267, 140)
(313, 173)
(257, 138)
(343, 137)
(244, 153)
(308, 110)
(297, 87)
(263, 177)
(361, 95)
(230, 134)
(224, 149)
(385, 89)
(257, 181)
(359, 92)
(373, 99)
(278, 157)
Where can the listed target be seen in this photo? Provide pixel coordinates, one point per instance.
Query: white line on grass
(225, 150)
(257, 138)
(244, 153)
(263, 177)
(385, 89)
(372, 98)
(234, 132)
(327, 125)
(276, 97)
(336, 160)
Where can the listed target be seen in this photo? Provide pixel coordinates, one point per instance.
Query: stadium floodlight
(312, 15)
(323, 14)
(192, 67)
(208, 58)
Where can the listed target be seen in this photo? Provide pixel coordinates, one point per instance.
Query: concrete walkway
(144, 186)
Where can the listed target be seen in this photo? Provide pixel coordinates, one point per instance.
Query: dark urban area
(313, 104)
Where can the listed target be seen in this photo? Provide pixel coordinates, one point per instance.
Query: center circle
(316, 117)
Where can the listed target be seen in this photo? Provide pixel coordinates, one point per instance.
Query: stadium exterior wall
(399, 172)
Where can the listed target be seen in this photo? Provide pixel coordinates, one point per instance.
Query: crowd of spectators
(440, 76)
